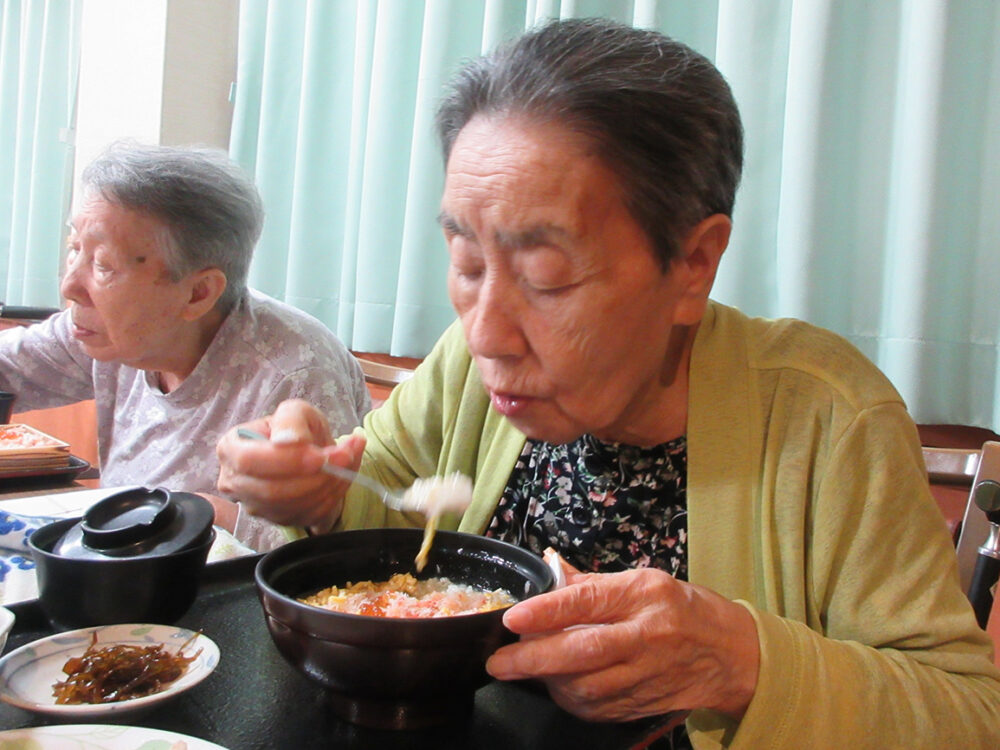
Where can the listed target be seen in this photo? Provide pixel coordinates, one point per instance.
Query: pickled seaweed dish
(118, 672)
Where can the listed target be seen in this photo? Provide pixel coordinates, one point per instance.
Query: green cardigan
(807, 502)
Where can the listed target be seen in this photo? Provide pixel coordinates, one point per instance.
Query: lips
(80, 331)
(509, 404)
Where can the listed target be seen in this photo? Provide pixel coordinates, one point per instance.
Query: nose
(72, 286)
(494, 328)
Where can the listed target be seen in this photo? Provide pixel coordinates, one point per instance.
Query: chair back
(951, 472)
(384, 374)
(382, 377)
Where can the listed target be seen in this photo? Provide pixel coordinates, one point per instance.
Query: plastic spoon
(431, 496)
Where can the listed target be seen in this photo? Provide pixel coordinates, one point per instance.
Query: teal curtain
(870, 203)
(39, 60)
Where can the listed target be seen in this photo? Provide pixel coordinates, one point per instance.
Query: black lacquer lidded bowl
(135, 556)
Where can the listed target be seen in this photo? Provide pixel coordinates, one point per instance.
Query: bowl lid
(139, 522)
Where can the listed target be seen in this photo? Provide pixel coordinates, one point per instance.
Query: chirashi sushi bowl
(385, 671)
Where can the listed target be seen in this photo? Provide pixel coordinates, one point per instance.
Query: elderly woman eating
(162, 331)
(742, 503)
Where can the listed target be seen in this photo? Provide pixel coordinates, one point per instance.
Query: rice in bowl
(403, 595)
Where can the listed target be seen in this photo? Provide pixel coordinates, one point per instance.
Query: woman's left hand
(620, 646)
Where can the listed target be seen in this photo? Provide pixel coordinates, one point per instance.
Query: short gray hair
(210, 207)
(661, 115)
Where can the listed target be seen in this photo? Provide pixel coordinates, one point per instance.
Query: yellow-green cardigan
(807, 502)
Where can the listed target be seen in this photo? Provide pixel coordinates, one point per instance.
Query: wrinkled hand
(282, 479)
(655, 645)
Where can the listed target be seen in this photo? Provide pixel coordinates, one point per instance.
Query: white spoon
(431, 496)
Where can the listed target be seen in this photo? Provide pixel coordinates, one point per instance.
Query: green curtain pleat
(39, 59)
(870, 202)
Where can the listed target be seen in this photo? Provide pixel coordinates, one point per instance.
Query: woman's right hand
(281, 479)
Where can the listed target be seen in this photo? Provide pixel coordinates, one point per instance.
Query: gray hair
(210, 208)
(660, 115)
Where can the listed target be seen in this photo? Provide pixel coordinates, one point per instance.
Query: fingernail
(284, 436)
(500, 668)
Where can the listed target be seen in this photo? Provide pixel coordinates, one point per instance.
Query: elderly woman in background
(743, 501)
(162, 330)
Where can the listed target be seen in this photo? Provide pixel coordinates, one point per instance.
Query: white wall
(200, 69)
(121, 75)
(158, 71)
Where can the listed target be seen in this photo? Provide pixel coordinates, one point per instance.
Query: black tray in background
(52, 475)
(256, 700)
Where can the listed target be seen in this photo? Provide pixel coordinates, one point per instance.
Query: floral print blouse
(605, 507)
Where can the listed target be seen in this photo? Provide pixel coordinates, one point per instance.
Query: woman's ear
(206, 287)
(697, 264)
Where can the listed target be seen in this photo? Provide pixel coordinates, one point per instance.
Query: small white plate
(28, 673)
(101, 737)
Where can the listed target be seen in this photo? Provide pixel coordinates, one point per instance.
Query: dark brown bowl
(7, 400)
(78, 592)
(392, 673)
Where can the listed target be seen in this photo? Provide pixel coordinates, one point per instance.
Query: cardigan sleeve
(437, 422)
(889, 654)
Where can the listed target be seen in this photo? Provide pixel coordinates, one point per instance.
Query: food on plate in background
(22, 437)
(405, 596)
(23, 447)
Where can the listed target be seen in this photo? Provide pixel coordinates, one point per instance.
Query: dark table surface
(255, 699)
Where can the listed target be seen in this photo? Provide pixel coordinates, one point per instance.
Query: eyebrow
(450, 225)
(96, 234)
(526, 238)
(531, 237)
(99, 236)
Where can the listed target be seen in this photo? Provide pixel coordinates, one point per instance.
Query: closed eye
(550, 291)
